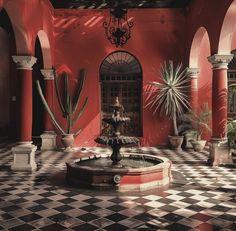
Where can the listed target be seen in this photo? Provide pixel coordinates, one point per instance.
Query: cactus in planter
(68, 106)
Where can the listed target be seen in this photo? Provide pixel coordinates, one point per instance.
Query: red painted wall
(205, 78)
(80, 41)
(77, 40)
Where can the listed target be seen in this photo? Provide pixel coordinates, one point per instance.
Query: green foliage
(68, 104)
(200, 121)
(231, 131)
(169, 97)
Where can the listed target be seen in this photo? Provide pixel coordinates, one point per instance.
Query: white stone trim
(48, 141)
(220, 61)
(24, 157)
(24, 62)
(193, 72)
(47, 74)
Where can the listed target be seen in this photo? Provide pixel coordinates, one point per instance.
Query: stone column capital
(193, 72)
(48, 74)
(24, 62)
(220, 61)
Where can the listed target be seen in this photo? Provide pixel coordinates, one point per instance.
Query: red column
(24, 67)
(219, 94)
(219, 152)
(48, 93)
(193, 75)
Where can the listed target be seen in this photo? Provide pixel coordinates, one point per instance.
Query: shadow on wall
(205, 96)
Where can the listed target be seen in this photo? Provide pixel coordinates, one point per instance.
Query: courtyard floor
(200, 197)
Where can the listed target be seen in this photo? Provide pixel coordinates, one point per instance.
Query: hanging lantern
(118, 28)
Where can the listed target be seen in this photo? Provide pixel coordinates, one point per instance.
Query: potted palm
(200, 122)
(169, 97)
(68, 106)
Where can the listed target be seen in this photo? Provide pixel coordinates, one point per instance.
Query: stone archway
(198, 64)
(227, 30)
(42, 72)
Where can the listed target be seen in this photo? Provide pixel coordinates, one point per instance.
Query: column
(193, 75)
(219, 150)
(24, 151)
(49, 136)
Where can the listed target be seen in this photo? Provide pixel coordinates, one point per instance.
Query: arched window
(121, 75)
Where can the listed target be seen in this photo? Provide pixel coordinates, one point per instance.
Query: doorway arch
(8, 80)
(121, 75)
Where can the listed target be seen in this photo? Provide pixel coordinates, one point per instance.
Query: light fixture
(118, 28)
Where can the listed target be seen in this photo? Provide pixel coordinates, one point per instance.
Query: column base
(48, 141)
(24, 157)
(219, 152)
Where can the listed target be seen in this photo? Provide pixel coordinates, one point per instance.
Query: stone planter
(67, 141)
(189, 135)
(198, 145)
(176, 142)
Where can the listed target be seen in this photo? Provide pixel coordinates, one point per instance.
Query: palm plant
(200, 121)
(169, 96)
(68, 104)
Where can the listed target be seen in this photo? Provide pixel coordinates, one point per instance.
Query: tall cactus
(68, 104)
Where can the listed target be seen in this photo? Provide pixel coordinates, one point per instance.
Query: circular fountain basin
(134, 172)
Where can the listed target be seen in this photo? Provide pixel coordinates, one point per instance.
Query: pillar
(49, 136)
(218, 145)
(193, 75)
(24, 151)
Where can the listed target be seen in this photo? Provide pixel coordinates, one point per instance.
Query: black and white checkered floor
(199, 198)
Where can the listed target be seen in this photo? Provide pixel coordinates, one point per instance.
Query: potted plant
(231, 132)
(169, 97)
(68, 106)
(200, 122)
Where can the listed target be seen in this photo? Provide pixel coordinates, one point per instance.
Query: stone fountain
(126, 171)
(116, 141)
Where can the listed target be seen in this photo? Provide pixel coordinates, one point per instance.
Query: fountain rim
(159, 166)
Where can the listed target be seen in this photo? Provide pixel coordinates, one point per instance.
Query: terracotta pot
(198, 145)
(67, 140)
(176, 142)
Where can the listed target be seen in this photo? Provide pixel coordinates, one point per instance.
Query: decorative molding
(193, 72)
(24, 62)
(47, 74)
(220, 61)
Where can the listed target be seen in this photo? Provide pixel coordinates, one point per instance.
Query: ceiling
(103, 4)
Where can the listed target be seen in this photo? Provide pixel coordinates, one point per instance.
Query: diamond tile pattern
(200, 197)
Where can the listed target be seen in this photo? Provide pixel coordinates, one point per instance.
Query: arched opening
(227, 45)
(8, 80)
(200, 51)
(121, 75)
(227, 30)
(38, 109)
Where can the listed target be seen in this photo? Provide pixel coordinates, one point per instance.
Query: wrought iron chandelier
(118, 28)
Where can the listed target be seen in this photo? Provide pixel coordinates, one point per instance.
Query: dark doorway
(8, 80)
(121, 75)
(38, 110)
